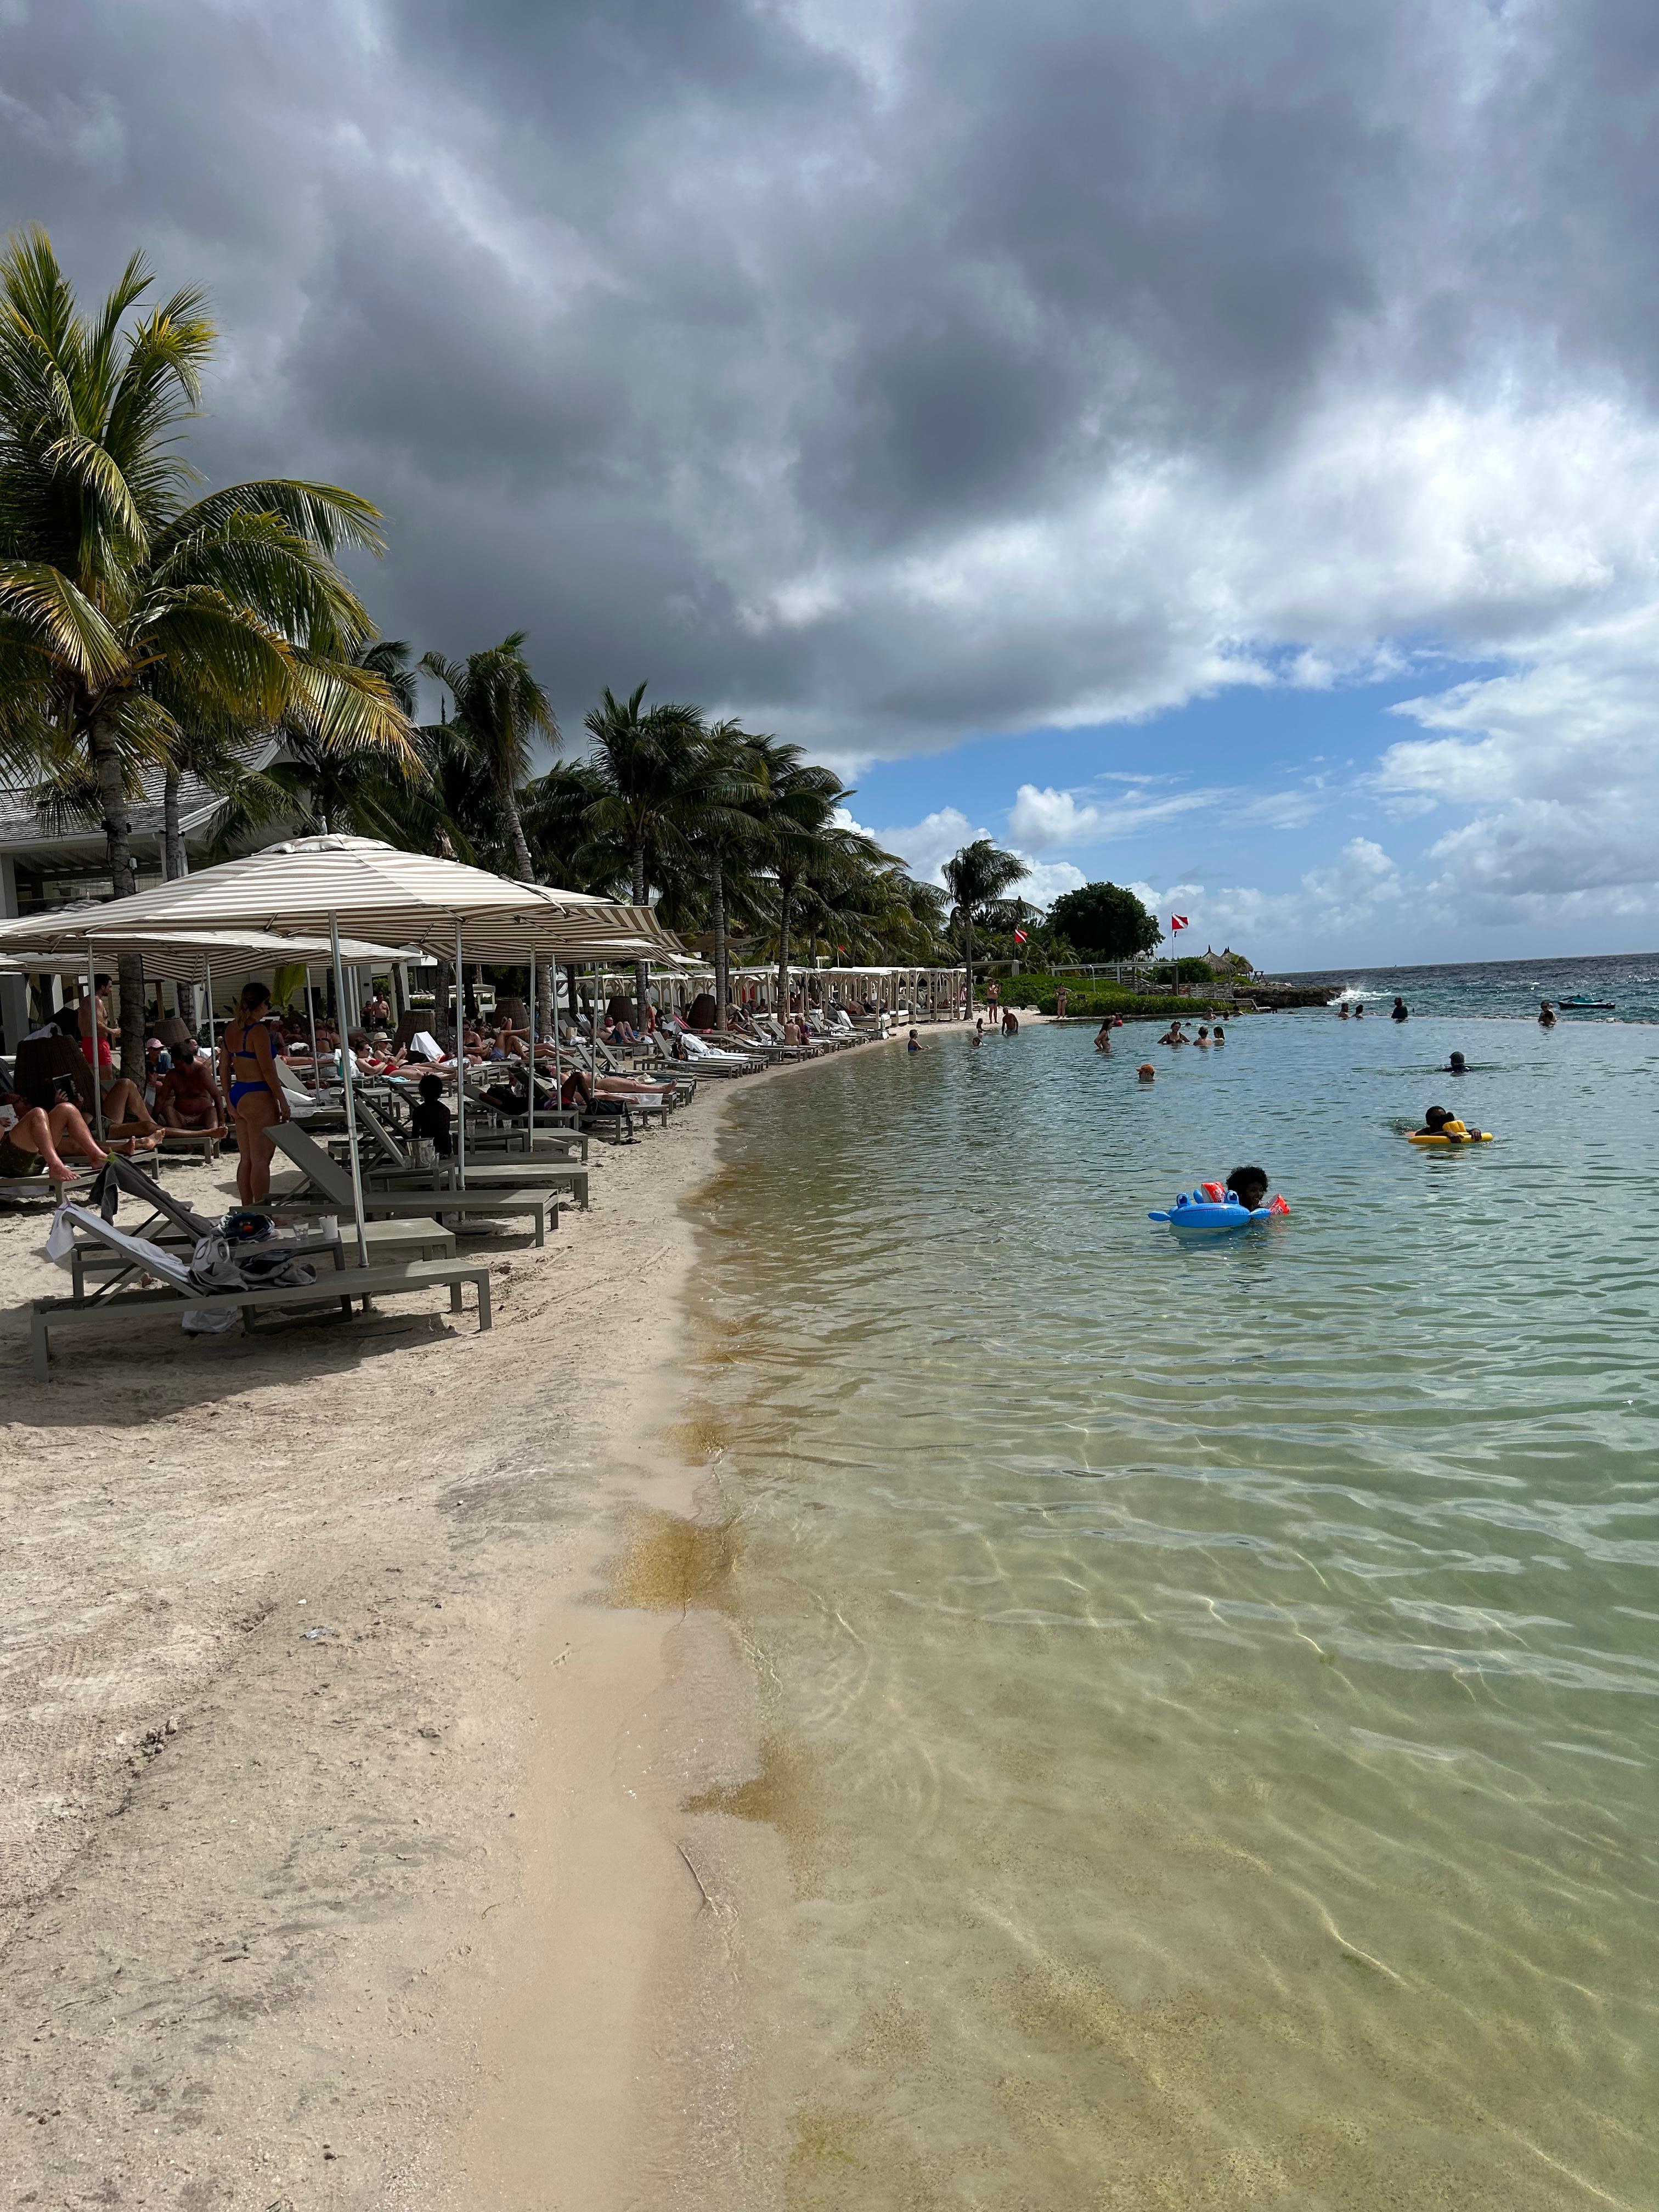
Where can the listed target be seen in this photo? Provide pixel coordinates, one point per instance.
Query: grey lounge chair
(327, 1185)
(530, 1170)
(560, 1144)
(176, 1289)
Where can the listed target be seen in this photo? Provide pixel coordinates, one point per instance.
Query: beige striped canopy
(182, 956)
(306, 884)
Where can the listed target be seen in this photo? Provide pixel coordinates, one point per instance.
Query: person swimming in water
(1342, 1012)
(1441, 1122)
(1546, 1015)
(1175, 1034)
(1400, 1011)
(1218, 1036)
(1146, 1072)
(1249, 1187)
(1103, 1036)
(1455, 1066)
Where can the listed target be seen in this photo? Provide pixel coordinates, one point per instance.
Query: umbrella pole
(460, 1067)
(558, 1064)
(97, 1087)
(311, 1009)
(351, 1104)
(530, 1085)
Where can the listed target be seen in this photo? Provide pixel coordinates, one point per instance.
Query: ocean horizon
(1496, 990)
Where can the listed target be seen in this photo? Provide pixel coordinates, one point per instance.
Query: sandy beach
(353, 1680)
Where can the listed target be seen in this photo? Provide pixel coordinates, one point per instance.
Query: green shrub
(1094, 996)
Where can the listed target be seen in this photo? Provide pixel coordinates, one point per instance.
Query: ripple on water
(1212, 1718)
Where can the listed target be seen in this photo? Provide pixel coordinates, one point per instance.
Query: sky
(1210, 444)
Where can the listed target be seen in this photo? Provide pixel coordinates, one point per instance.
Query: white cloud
(1039, 818)
(1552, 764)
(1331, 902)
(1044, 881)
(926, 845)
(1042, 817)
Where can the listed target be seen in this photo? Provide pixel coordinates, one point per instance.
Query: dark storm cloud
(889, 372)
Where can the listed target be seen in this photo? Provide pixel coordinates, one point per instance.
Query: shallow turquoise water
(1212, 1691)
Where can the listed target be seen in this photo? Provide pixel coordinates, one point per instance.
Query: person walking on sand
(1060, 996)
(247, 1073)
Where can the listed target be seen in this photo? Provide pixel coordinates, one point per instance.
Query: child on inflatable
(1249, 1187)
(1440, 1121)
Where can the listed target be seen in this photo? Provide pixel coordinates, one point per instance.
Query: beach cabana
(96, 935)
(324, 884)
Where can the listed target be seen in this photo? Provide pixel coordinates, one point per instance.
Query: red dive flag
(1020, 937)
(1176, 921)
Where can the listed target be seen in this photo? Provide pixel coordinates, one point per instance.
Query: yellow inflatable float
(1450, 1132)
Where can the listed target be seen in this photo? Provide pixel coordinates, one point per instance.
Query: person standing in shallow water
(1546, 1015)
(1400, 1011)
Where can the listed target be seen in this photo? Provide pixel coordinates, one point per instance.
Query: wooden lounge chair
(175, 1291)
(327, 1186)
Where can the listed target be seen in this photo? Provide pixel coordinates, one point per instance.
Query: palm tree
(979, 874)
(648, 766)
(725, 832)
(796, 816)
(500, 710)
(127, 616)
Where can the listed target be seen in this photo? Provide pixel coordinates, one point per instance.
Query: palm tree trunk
(642, 967)
(968, 927)
(527, 874)
(172, 836)
(722, 963)
(118, 835)
(786, 896)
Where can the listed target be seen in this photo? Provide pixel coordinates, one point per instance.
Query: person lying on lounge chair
(33, 1140)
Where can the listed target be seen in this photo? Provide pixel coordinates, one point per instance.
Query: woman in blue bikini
(247, 1071)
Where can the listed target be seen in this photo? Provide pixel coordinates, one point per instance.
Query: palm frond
(59, 618)
(332, 518)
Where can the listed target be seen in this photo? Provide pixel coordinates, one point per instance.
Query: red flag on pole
(1176, 921)
(1020, 937)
